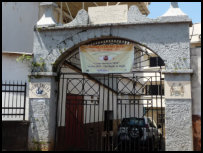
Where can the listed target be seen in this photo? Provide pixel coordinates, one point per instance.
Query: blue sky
(192, 9)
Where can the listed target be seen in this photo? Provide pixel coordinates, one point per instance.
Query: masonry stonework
(178, 114)
(42, 118)
(178, 125)
(162, 39)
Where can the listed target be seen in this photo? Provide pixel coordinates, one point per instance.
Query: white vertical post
(61, 13)
(71, 17)
(83, 5)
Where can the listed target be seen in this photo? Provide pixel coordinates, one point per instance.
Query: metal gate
(111, 112)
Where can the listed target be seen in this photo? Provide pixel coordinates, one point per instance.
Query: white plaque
(108, 14)
(177, 89)
(39, 90)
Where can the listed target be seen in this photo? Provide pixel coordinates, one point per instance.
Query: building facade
(43, 110)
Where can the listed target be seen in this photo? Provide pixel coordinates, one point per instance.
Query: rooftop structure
(70, 9)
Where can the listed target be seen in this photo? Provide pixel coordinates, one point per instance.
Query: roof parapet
(134, 16)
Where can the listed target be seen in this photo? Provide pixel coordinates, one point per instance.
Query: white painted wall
(195, 36)
(18, 20)
(196, 80)
(14, 71)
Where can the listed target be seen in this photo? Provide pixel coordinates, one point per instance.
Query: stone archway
(167, 36)
(68, 52)
(159, 38)
(116, 85)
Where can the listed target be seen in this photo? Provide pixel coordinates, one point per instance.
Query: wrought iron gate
(110, 112)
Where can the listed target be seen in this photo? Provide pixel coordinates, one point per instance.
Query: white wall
(196, 80)
(18, 20)
(13, 70)
(195, 36)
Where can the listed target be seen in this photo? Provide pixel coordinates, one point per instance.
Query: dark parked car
(138, 133)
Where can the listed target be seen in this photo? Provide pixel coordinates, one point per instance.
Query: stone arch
(172, 49)
(69, 51)
(62, 81)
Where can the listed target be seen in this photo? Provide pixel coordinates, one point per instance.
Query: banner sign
(107, 58)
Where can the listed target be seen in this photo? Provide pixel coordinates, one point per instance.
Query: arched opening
(74, 51)
(114, 111)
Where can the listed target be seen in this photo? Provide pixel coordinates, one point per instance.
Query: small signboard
(108, 14)
(39, 90)
(107, 58)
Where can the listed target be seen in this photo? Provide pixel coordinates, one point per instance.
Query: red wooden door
(74, 122)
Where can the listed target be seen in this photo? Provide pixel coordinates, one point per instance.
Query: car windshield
(134, 122)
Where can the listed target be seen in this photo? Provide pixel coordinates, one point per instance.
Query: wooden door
(74, 122)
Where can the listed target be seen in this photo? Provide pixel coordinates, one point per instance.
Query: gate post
(178, 111)
(42, 110)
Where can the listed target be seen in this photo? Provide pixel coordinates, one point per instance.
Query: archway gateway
(102, 112)
(167, 37)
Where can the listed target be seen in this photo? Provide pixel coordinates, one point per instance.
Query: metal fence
(111, 112)
(13, 100)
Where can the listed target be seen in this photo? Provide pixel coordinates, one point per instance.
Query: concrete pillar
(178, 112)
(43, 99)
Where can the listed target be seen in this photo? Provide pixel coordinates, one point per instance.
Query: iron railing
(13, 100)
(86, 102)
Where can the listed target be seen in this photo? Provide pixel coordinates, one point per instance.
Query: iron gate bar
(161, 102)
(156, 98)
(20, 98)
(103, 110)
(152, 114)
(12, 91)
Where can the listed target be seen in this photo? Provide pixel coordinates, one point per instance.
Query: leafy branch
(34, 66)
